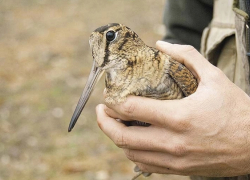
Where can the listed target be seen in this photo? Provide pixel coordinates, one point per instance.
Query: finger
(168, 113)
(134, 109)
(159, 159)
(157, 169)
(186, 55)
(106, 123)
(136, 137)
(112, 113)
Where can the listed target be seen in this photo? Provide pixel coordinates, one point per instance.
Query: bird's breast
(146, 79)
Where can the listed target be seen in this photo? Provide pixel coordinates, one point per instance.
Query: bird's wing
(183, 77)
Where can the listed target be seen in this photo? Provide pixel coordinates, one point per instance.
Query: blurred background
(44, 63)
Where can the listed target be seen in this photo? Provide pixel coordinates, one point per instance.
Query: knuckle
(179, 150)
(215, 75)
(128, 108)
(176, 117)
(218, 73)
(188, 48)
(119, 139)
(179, 167)
(183, 125)
(182, 120)
(143, 167)
(130, 155)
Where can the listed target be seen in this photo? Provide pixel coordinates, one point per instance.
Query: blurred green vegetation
(44, 63)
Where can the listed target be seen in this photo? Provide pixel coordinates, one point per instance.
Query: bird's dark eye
(110, 35)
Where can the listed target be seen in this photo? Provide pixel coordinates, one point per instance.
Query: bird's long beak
(95, 75)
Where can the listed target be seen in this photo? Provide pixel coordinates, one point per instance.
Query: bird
(132, 68)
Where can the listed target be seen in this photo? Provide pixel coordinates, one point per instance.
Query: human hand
(206, 133)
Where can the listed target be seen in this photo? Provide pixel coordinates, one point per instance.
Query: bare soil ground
(44, 63)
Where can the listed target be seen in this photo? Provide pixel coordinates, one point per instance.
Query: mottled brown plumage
(133, 68)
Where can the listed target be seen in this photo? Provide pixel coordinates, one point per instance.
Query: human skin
(206, 133)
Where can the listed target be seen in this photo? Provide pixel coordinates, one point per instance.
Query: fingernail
(136, 169)
(160, 42)
(98, 107)
(163, 43)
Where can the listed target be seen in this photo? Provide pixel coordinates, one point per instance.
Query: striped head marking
(111, 42)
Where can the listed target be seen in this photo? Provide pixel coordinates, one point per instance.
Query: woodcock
(132, 68)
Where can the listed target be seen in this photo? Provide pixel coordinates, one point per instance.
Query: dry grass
(45, 60)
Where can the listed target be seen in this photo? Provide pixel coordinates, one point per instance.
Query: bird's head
(113, 43)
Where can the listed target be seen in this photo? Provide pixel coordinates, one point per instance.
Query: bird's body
(146, 74)
(133, 68)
